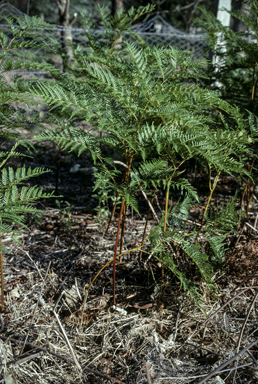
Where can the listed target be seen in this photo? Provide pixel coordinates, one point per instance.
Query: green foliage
(233, 73)
(16, 194)
(147, 108)
(15, 197)
(235, 57)
(179, 246)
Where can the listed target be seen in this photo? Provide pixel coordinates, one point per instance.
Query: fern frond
(71, 138)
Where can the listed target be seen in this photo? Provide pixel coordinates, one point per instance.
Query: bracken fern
(149, 108)
(149, 105)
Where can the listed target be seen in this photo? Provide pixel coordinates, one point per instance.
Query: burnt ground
(155, 333)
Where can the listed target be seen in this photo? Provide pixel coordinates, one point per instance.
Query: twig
(24, 359)
(199, 376)
(77, 289)
(158, 205)
(240, 234)
(228, 362)
(243, 327)
(147, 368)
(223, 306)
(68, 342)
(62, 358)
(249, 225)
(204, 323)
(252, 357)
(196, 348)
(255, 222)
(65, 336)
(7, 239)
(27, 253)
(246, 318)
(34, 313)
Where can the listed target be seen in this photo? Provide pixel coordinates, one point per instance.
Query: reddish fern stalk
(115, 254)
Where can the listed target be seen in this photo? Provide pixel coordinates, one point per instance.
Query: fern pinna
(148, 106)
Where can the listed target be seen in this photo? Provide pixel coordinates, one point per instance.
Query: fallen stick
(24, 359)
(227, 362)
(63, 358)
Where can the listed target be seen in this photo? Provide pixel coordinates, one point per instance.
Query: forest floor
(155, 334)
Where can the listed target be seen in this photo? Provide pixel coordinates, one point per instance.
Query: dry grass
(153, 336)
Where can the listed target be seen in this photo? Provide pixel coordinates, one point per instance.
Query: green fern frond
(217, 246)
(72, 139)
(12, 177)
(15, 199)
(186, 283)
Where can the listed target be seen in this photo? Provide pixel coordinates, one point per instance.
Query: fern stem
(58, 167)
(250, 199)
(2, 276)
(112, 214)
(7, 48)
(246, 192)
(146, 223)
(165, 220)
(99, 272)
(164, 233)
(123, 228)
(166, 211)
(114, 207)
(207, 205)
(115, 254)
(241, 206)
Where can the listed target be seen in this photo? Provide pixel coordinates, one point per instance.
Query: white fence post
(224, 17)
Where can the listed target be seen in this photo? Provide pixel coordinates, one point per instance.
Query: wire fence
(156, 32)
